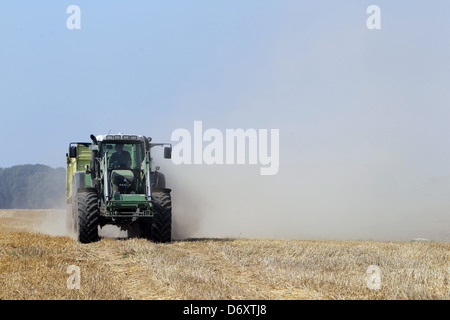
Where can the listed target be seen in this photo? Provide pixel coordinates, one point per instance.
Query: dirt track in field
(35, 255)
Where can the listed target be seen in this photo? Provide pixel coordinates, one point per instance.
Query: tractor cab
(126, 164)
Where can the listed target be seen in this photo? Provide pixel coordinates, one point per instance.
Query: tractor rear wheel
(87, 217)
(161, 228)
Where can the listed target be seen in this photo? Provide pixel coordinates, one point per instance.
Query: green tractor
(111, 181)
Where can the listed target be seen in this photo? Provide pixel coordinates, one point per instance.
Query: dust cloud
(307, 201)
(51, 222)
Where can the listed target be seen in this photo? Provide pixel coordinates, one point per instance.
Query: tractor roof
(120, 137)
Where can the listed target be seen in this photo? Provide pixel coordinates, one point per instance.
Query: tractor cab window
(123, 156)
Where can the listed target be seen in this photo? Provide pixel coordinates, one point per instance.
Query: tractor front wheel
(87, 217)
(161, 228)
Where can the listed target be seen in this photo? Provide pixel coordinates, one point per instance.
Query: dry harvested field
(34, 261)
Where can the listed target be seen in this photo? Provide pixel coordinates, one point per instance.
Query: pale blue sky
(357, 109)
(167, 63)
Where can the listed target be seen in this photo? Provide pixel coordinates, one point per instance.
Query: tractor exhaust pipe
(94, 139)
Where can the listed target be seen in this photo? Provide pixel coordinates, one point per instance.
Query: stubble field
(35, 258)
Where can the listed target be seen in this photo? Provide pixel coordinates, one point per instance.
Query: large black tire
(87, 217)
(161, 228)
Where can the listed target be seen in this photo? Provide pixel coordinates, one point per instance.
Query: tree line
(32, 187)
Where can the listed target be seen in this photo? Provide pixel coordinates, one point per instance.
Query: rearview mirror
(72, 151)
(168, 153)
